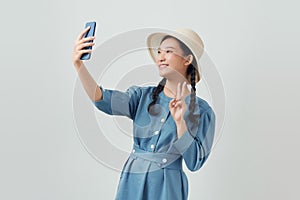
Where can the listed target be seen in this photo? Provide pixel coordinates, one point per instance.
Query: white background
(254, 45)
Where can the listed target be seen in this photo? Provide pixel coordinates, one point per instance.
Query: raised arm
(89, 84)
(195, 128)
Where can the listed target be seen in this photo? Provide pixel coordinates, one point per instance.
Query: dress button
(133, 150)
(162, 120)
(164, 160)
(156, 132)
(152, 146)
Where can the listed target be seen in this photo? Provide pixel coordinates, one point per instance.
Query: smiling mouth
(163, 65)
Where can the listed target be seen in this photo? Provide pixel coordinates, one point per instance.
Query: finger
(81, 52)
(83, 33)
(175, 103)
(88, 44)
(172, 103)
(185, 90)
(178, 104)
(91, 38)
(178, 92)
(85, 51)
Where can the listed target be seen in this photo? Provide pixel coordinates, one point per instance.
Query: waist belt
(161, 159)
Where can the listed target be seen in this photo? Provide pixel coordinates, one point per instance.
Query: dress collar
(163, 96)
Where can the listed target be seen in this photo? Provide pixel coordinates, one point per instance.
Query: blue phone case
(91, 32)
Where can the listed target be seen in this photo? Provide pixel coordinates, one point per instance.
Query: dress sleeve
(115, 102)
(196, 143)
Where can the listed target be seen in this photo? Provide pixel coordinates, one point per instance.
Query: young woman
(170, 122)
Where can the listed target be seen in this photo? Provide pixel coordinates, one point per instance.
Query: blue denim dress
(153, 171)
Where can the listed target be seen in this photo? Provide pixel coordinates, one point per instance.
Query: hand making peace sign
(178, 106)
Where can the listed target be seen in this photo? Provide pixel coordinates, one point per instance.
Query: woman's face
(170, 59)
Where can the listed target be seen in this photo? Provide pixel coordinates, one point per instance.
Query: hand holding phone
(89, 33)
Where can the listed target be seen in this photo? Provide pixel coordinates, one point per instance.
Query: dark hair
(190, 72)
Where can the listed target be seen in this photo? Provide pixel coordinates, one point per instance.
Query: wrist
(77, 64)
(181, 128)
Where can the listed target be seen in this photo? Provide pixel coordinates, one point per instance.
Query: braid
(193, 95)
(155, 94)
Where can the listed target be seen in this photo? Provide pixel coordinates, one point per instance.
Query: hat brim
(154, 40)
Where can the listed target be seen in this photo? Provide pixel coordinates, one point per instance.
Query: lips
(163, 65)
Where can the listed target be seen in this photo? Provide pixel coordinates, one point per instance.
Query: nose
(160, 56)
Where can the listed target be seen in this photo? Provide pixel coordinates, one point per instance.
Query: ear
(189, 60)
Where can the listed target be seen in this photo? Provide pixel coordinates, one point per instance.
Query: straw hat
(189, 37)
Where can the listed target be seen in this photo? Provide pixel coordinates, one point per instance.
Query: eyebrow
(166, 48)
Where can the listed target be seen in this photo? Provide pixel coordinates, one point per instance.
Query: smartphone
(90, 32)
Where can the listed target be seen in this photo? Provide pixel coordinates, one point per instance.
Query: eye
(169, 51)
(158, 51)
